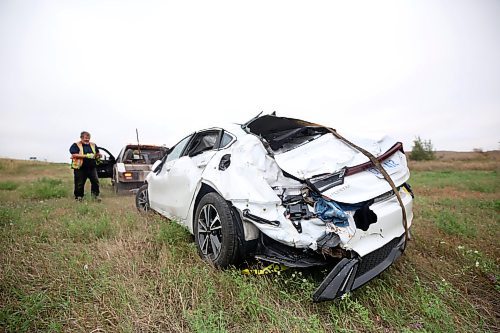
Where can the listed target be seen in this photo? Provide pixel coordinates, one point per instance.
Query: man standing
(84, 155)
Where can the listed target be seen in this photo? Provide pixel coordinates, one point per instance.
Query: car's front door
(183, 175)
(105, 166)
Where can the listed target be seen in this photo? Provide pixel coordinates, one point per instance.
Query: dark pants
(81, 176)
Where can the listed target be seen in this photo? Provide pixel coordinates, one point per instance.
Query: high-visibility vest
(76, 162)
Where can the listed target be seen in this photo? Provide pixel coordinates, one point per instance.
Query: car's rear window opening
(144, 156)
(284, 134)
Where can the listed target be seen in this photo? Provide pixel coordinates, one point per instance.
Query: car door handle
(168, 169)
(202, 164)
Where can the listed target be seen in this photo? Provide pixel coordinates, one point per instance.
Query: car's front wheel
(215, 231)
(142, 199)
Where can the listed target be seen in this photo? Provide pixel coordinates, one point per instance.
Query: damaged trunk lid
(311, 153)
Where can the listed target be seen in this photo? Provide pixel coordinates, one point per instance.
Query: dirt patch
(452, 192)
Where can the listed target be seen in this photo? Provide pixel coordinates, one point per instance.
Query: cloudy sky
(366, 68)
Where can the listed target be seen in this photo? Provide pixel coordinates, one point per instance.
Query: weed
(432, 307)
(296, 285)
(348, 304)
(204, 320)
(476, 260)
(86, 230)
(45, 188)
(88, 266)
(208, 315)
(8, 185)
(25, 317)
(88, 210)
(8, 216)
(171, 233)
(454, 224)
(469, 180)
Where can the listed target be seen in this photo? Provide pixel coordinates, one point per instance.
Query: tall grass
(45, 188)
(8, 185)
(67, 266)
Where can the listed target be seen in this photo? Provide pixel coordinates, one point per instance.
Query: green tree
(422, 150)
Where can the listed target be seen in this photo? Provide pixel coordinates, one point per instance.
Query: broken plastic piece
(326, 182)
(350, 274)
(258, 219)
(328, 240)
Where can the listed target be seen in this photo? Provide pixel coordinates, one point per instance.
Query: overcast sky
(366, 68)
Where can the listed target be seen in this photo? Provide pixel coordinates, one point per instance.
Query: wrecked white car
(291, 192)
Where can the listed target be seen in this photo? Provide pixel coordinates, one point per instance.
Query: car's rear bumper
(128, 185)
(350, 274)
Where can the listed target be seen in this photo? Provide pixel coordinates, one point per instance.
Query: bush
(422, 150)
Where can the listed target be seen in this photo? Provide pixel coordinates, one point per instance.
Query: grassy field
(103, 267)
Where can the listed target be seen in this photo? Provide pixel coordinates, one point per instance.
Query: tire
(142, 199)
(215, 231)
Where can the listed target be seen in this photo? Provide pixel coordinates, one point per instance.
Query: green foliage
(82, 266)
(464, 180)
(209, 315)
(45, 188)
(464, 217)
(86, 229)
(8, 185)
(422, 150)
(8, 216)
(24, 317)
(172, 233)
(432, 307)
(454, 224)
(475, 259)
(348, 306)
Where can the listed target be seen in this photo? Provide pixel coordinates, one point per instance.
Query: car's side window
(177, 150)
(226, 140)
(202, 142)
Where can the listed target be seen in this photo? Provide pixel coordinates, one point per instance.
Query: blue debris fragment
(330, 211)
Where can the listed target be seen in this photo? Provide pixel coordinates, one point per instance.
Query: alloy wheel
(209, 231)
(143, 200)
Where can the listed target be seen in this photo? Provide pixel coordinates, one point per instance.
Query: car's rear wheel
(142, 199)
(215, 231)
